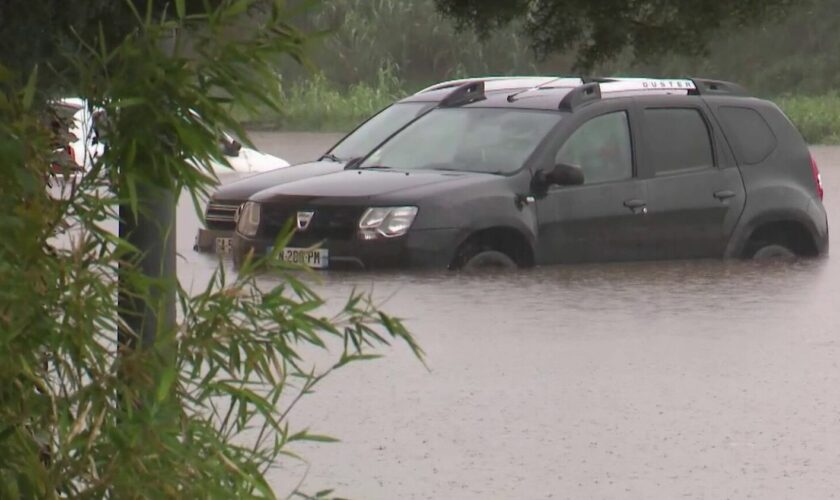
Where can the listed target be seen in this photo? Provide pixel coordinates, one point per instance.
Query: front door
(601, 220)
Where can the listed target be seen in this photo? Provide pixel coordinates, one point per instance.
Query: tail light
(815, 171)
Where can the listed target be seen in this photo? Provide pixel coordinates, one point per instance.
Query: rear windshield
(372, 133)
(490, 140)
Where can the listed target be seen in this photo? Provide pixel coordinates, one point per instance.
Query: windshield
(371, 134)
(490, 140)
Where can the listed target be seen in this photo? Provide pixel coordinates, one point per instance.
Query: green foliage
(320, 105)
(410, 37)
(816, 117)
(599, 31)
(204, 410)
(793, 55)
(798, 54)
(45, 31)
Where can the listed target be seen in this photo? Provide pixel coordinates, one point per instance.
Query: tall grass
(321, 105)
(817, 117)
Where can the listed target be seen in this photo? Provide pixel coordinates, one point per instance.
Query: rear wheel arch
(504, 239)
(787, 232)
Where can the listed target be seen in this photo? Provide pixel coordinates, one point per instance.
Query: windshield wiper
(376, 167)
(331, 157)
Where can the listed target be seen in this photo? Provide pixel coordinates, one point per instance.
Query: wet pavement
(691, 379)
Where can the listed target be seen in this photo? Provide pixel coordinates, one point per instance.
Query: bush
(89, 405)
(320, 105)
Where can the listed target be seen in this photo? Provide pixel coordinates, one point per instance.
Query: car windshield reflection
(487, 140)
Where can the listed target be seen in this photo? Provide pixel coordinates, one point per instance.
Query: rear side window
(678, 139)
(749, 134)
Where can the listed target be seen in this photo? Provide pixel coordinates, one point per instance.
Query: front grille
(328, 223)
(220, 215)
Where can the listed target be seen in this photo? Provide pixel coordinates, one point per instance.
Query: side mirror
(565, 175)
(231, 148)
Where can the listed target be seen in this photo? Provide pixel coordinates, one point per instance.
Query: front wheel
(485, 259)
(774, 252)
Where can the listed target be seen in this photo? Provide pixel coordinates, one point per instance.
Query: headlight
(387, 222)
(248, 219)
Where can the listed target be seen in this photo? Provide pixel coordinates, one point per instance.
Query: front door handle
(636, 205)
(723, 195)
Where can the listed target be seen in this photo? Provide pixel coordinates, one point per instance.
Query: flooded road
(695, 379)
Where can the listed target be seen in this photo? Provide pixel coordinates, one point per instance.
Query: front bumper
(431, 248)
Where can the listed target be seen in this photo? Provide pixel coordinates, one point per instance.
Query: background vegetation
(384, 49)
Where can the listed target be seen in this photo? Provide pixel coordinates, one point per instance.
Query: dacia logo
(304, 217)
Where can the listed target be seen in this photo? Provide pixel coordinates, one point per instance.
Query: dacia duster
(606, 170)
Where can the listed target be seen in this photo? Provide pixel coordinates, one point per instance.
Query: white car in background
(84, 146)
(244, 160)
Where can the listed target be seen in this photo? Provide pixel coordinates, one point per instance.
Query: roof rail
(719, 87)
(561, 81)
(533, 80)
(580, 95)
(464, 94)
(644, 85)
(597, 88)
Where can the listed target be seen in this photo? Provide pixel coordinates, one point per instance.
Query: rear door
(695, 194)
(602, 219)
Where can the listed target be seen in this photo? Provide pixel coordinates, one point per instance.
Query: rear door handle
(636, 205)
(723, 195)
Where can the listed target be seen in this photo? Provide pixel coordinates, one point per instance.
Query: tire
(774, 252)
(485, 259)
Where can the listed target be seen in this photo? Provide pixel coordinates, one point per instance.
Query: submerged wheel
(480, 259)
(774, 252)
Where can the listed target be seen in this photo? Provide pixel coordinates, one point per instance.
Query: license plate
(224, 245)
(317, 258)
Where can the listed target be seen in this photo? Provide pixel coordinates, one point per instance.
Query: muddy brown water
(690, 379)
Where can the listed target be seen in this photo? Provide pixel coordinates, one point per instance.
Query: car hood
(242, 189)
(366, 184)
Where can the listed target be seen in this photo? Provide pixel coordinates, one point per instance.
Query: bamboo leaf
(30, 89)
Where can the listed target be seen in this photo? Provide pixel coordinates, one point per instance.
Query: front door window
(601, 147)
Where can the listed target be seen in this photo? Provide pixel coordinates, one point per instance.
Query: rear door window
(677, 139)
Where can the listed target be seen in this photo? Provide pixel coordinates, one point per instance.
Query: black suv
(612, 169)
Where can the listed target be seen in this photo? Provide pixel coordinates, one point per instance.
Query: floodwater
(692, 379)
